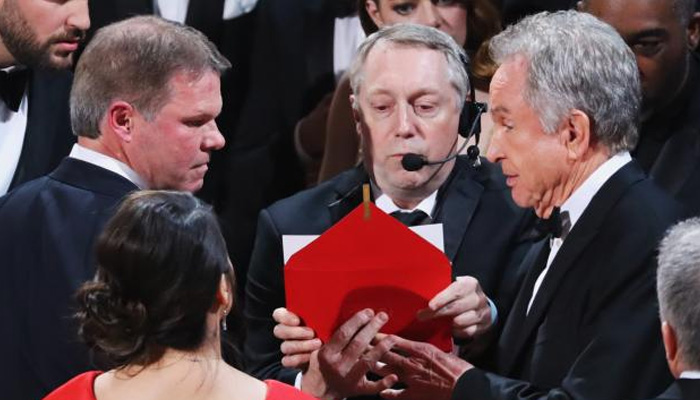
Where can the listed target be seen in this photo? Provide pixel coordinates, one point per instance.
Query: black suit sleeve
(264, 293)
(624, 351)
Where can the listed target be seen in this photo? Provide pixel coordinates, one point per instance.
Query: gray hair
(577, 62)
(678, 287)
(415, 36)
(134, 61)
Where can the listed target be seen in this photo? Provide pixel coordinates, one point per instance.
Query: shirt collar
(386, 204)
(93, 157)
(581, 197)
(690, 375)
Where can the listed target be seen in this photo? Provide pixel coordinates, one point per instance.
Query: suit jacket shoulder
(47, 230)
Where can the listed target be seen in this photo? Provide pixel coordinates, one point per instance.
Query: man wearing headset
(409, 85)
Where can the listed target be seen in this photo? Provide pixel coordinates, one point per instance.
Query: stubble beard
(21, 41)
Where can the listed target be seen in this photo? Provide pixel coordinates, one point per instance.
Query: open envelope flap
(375, 263)
(357, 243)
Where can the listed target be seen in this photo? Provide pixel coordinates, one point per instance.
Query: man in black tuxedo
(143, 122)
(678, 287)
(663, 34)
(584, 325)
(400, 106)
(37, 42)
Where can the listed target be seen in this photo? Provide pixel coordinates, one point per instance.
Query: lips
(68, 46)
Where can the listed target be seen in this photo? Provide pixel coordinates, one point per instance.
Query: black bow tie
(12, 85)
(557, 225)
(415, 217)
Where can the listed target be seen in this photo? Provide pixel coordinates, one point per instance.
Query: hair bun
(107, 321)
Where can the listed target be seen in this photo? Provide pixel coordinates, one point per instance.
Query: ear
(671, 346)
(373, 11)
(224, 295)
(575, 134)
(120, 119)
(693, 31)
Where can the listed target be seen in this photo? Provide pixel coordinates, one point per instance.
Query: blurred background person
(663, 34)
(38, 40)
(469, 22)
(157, 305)
(678, 286)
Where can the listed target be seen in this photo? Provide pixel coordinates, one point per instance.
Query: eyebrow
(499, 109)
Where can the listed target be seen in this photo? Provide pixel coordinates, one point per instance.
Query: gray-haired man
(678, 287)
(565, 101)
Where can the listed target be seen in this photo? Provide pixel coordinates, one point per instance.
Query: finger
(345, 333)
(290, 347)
(372, 387)
(359, 344)
(467, 319)
(449, 294)
(382, 369)
(392, 394)
(283, 316)
(284, 332)
(413, 349)
(296, 360)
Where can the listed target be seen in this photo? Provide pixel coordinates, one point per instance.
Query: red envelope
(369, 262)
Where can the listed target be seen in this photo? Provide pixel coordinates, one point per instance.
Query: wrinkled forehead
(391, 64)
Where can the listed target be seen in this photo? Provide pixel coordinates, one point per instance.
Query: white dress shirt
(576, 204)
(13, 127)
(90, 156)
(386, 204)
(176, 10)
(690, 375)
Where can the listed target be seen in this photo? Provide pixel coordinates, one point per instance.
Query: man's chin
(59, 60)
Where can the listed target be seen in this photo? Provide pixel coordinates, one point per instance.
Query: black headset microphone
(469, 125)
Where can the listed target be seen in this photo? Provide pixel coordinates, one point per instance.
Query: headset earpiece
(470, 118)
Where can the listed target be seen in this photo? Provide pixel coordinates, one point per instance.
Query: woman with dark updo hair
(159, 300)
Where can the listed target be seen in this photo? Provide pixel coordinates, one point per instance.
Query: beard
(22, 42)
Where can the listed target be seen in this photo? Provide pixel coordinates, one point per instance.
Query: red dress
(82, 388)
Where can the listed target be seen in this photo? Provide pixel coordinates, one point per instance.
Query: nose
(405, 127)
(494, 153)
(79, 15)
(430, 15)
(213, 140)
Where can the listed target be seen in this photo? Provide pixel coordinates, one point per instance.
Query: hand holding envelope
(369, 261)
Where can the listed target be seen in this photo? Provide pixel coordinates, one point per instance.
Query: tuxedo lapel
(512, 337)
(348, 194)
(524, 327)
(461, 198)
